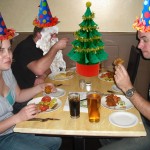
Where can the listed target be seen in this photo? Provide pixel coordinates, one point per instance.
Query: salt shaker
(82, 83)
(88, 86)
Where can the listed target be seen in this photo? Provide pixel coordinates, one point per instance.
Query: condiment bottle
(88, 86)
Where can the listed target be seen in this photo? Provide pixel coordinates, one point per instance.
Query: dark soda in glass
(74, 104)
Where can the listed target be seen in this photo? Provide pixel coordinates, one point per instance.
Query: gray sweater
(5, 107)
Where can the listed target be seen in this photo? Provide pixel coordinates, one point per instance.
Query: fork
(58, 85)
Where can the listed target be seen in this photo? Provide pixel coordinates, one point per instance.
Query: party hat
(4, 32)
(143, 24)
(45, 18)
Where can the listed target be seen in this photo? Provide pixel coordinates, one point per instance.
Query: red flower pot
(88, 70)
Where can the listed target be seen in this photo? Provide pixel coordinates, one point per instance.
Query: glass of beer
(74, 104)
(93, 103)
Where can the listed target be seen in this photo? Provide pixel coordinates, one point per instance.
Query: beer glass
(93, 103)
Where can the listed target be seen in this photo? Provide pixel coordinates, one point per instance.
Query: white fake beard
(45, 43)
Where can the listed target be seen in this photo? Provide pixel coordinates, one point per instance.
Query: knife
(109, 91)
(83, 99)
(42, 119)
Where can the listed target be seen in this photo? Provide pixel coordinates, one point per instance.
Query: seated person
(122, 80)
(30, 67)
(9, 93)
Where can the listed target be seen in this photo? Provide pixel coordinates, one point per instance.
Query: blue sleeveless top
(10, 98)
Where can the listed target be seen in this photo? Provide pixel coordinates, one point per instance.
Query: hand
(42, 87)
(26, 113)
(53, 88)
(61, 44)
(39, 80)
(122, 78)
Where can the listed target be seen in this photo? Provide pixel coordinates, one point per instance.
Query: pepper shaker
(82, 83)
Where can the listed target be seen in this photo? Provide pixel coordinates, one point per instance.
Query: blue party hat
(4, 32)
(143, 23)
(45, 18)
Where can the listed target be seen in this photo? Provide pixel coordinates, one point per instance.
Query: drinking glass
(93, 103)
(74, 104)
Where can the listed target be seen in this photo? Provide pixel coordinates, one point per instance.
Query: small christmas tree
(88, 47)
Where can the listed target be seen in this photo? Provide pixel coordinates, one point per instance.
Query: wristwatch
(129, 93)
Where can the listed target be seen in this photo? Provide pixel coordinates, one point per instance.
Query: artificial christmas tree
(88, 48)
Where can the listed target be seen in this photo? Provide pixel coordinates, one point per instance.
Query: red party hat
(4, 32)
(45, 18)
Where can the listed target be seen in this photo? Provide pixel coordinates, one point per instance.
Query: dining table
(81, 128)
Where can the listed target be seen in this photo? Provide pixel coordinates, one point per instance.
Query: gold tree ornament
(88, 4)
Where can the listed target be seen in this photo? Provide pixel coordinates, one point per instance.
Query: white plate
(52, 76)
(59, 93)
(38, 99)
(115, 88)
(128, 104)
(123, 119)
(105, 78)
(72, 69)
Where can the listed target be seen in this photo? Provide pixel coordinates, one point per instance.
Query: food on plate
(43, 107)
(60, 76)
(46, 99)
(118, 61)
(63, 75)
(69, 73)
(113, 100)
(48, 89)
(107, 76)
(46, 103)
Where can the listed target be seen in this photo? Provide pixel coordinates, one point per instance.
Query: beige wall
(110, 15)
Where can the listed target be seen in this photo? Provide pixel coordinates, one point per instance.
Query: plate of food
(106, 76)
(116, 102)
(46, 103)
(63, 75)
(59, 93)
(123, 119)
